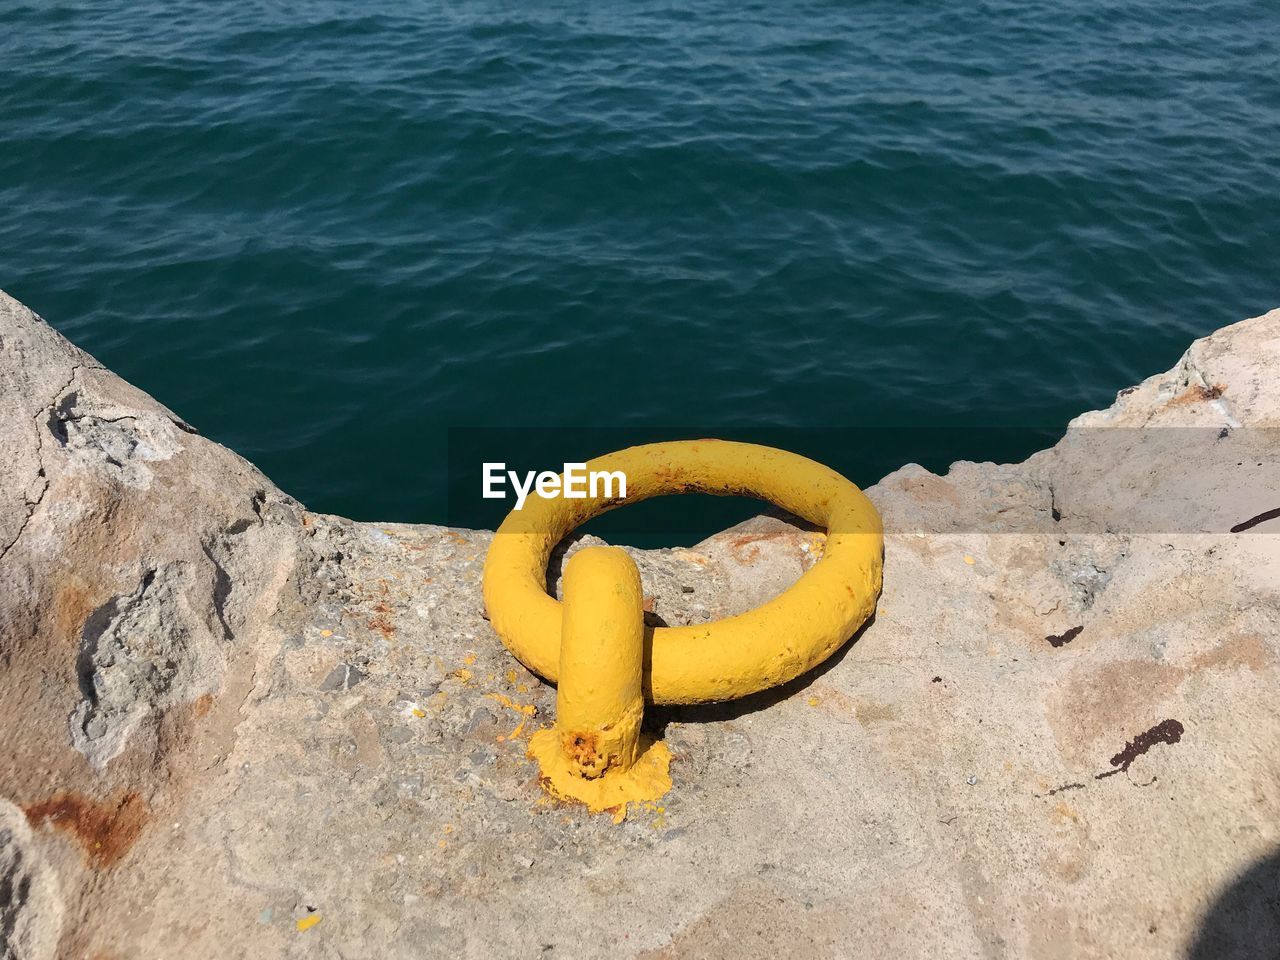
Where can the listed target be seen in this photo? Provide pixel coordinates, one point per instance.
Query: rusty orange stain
(72, 606)
(382, 625)
(104, 830)
(1198, 393)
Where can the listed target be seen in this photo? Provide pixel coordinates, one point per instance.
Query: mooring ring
(724, 659)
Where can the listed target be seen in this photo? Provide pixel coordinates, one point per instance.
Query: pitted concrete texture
(235, 728)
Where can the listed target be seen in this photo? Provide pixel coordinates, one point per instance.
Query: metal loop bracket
(607, 662)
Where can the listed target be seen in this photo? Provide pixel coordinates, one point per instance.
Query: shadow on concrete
(1244, 922)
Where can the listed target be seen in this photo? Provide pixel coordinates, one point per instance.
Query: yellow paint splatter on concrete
(969, 560)
(463, 674)
(619, 813)
(326, 633)
(469, 659)
(419, 712)
(306, 923)
(514, 733)
(814, 701)
(659, 820)
(527, 709)
(511, 676)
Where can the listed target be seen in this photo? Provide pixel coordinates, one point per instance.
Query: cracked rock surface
(236, 728)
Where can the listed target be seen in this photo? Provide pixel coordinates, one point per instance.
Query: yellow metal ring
(727, 658)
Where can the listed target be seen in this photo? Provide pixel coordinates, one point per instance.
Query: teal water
(325, 233)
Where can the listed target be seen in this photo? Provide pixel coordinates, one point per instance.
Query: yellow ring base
(646, 779)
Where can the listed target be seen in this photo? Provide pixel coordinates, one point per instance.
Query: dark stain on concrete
(1254, 521)
(1062, 639)
(1166, 731)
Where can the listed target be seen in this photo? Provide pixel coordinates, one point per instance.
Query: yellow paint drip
(306, 923)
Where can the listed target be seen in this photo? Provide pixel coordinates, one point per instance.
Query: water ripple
(326, 234)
